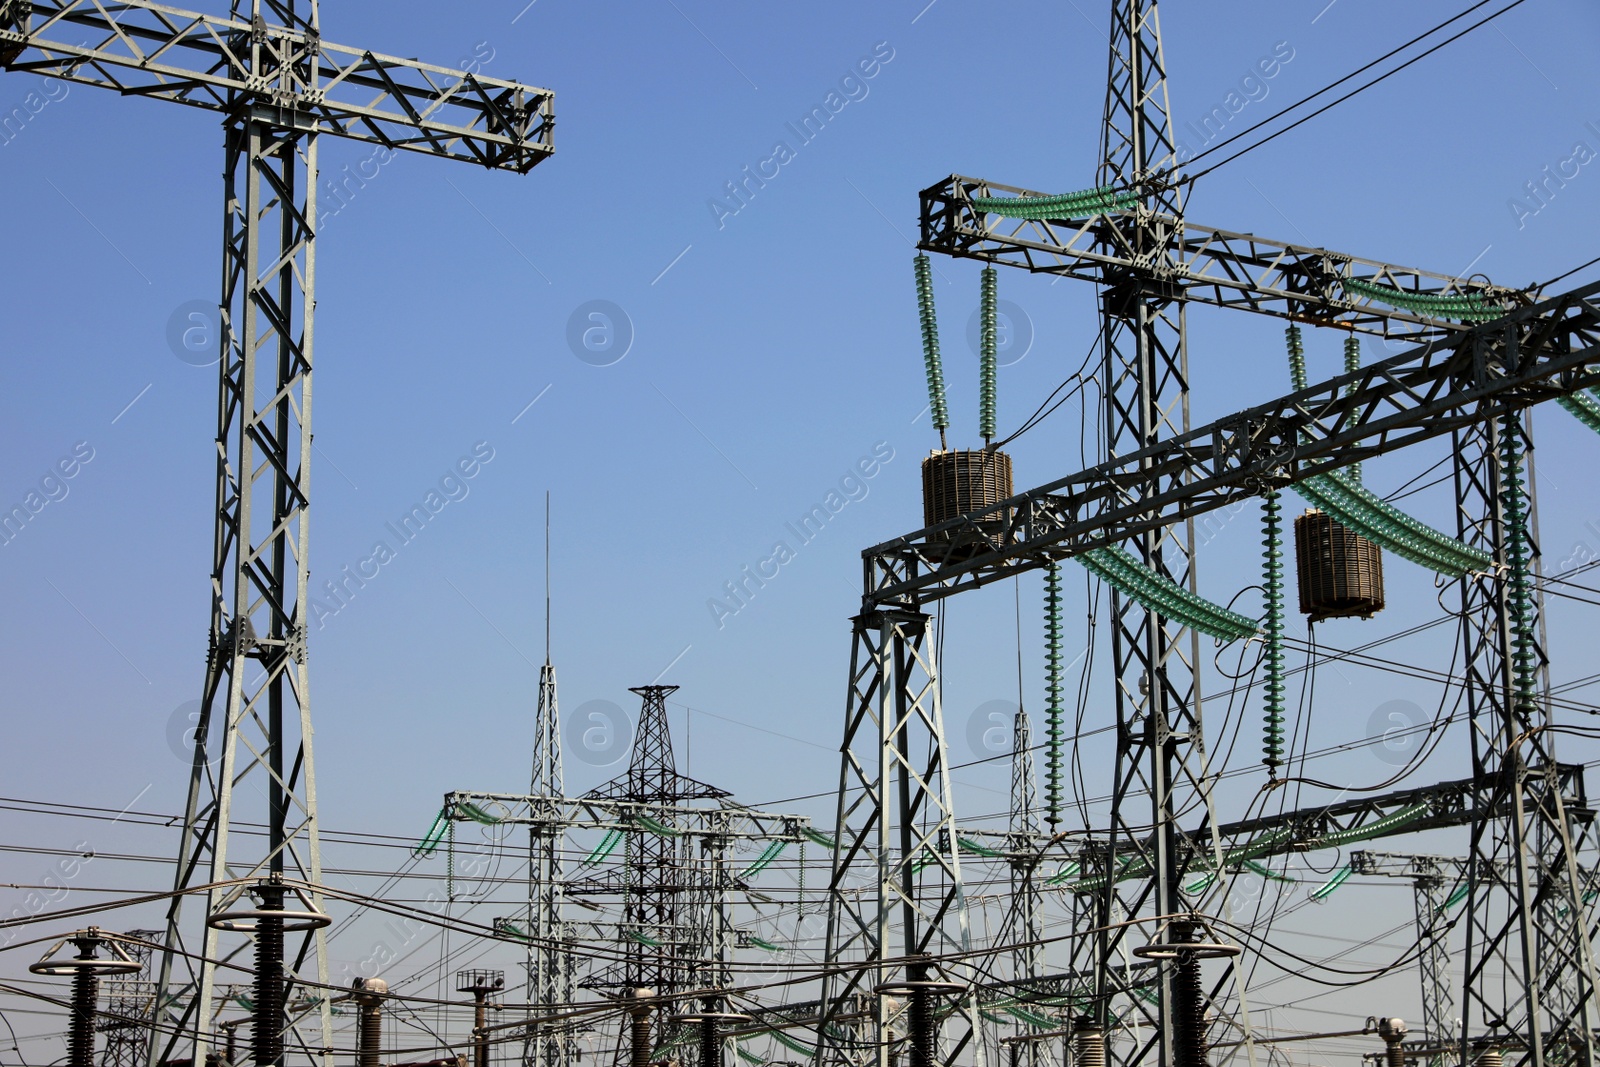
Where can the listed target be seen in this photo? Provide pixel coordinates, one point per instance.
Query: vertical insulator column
(80, 1038)
(639, 1030)
(1054, 723)
(920, 1024)
(369, 1024)
(1088, 1043)
(1393, 1032)
(1352, 363)
(85, 970)
(266, 1037)
(1272, 553)
(710, 1043)
(1188, 1000)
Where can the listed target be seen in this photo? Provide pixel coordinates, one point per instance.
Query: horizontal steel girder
(287, 77)
(1539, 353)
(585, 813)
(1198, 263)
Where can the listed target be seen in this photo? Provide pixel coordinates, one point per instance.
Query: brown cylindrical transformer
(959, 482)
(1341, 572)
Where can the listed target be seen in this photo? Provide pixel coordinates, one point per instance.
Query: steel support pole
(254, 733)
(896, 819)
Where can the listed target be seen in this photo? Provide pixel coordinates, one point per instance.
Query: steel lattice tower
(1027, 929)
(549, 965)
(1160, 760)
(278, 86)
(1528, 970)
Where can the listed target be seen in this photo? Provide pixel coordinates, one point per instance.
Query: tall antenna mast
(549, 965)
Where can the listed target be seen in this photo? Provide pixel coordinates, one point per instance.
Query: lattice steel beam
(896, 820)
(314, 86)
(1202, 264)
(1536, 354)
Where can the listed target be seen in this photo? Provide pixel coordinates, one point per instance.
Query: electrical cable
(1359, 89)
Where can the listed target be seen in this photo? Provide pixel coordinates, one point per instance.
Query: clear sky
(771, 348)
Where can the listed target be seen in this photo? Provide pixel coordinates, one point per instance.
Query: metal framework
(1539, 353)
(1199, 264)
(675, 881)
(1528, 968)
(279, 86)
(549, 959)
(1432, 880)
(895, 818)
(1026, 919)
(1150, 264)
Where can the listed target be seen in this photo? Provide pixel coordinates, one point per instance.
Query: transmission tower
(1529, 965)
(1528, 969)
(278, 86)
(1027, 853)
(129, 1003)
(1433, 878)
(549, 963)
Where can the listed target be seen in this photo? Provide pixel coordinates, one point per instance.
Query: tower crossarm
(1204, 264)
(1461, 802)
(1539, 353)
(588, 813)
(301, 82)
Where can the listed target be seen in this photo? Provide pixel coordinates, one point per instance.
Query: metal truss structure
(675, 882)
(279, 87)
(129, 1004)
(1026, 919)
(896, 818)
(1529, 968)
(550, 966)
(1199, 264)
(1432, 880)
(1539, 353)
(1150, 264)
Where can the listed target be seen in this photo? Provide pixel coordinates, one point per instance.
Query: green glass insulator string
(1518, 562)
(1352, 363)
(986, 357)
(930, 347)
(1273, 709)
(1054, 732)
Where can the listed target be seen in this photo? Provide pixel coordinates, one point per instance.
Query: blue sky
(772, 349)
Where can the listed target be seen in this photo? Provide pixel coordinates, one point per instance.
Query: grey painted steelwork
(1160, 766)
(1200, 263)
(1432, 879)
(1551, 349)
(896, 819)
(309, 85)
(1150, 263)
(280, 86)
(550, 966)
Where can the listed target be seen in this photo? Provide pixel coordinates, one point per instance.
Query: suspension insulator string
(1518, 562)
(930, 348)
(986, 359)
(1272, 553)
(1352, 363)
(1054, 732)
